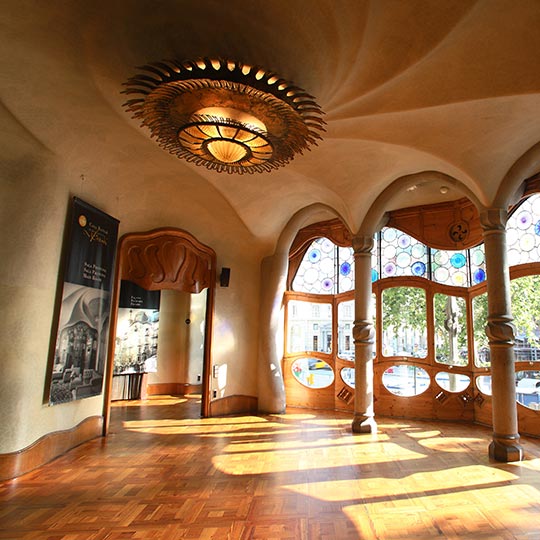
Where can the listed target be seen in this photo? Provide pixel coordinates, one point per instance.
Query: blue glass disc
(314, 256)
(418, 268)
(479, 276)
(345, 269)
(537, 228)
(374, 275)
(458, 260)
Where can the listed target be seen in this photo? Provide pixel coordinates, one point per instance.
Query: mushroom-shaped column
(364, 337)
(500, 331)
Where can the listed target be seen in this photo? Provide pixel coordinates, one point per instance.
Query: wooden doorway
(159, 260)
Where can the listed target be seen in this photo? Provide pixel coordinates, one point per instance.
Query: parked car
(316, 363)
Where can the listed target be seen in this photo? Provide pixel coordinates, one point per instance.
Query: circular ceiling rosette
(225, 115)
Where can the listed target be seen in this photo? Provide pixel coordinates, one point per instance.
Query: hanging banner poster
(83, 325)
(136, 330)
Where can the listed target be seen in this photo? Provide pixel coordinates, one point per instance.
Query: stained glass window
(375, 273)
(477, 261)
(329, 269)
(345, 269)
(450, 267)
(523, 233)
(325, 269)
(402, 255)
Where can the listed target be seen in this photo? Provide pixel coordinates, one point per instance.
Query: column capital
(362, 244)
(493, 219)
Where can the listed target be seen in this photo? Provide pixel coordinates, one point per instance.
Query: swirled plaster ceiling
(408, 86)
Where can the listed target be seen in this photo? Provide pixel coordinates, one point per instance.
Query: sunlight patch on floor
(378, 490)
(530, 464)
(305, 459)
(261, 446)
(449, 444)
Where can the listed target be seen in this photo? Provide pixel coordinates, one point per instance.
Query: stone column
(500, 331)
(364, 338)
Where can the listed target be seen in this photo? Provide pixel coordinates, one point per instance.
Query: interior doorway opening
(170, 345)
(180, 345)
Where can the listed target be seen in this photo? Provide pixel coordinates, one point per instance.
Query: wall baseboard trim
(237, 404)
(173, 389)
(49, 447)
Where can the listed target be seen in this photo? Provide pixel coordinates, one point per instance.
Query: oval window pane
(483, 382)
(347, 375)
(404, 380)
(312, 372)
(528, 389)
(452, 382)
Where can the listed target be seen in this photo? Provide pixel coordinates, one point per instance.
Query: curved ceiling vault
(406, 87)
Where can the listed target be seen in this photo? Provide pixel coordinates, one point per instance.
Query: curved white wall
(35, 190)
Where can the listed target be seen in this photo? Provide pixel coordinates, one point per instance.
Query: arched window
(431, 344)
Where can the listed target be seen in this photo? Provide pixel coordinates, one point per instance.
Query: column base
(364, 424)
(505, 448)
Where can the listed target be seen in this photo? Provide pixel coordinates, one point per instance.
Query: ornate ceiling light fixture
(223, 114)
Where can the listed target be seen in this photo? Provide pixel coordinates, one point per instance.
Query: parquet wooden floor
(164, 474)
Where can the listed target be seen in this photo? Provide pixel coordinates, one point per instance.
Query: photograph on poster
(81, 344)
(136, 330)
(136, 341)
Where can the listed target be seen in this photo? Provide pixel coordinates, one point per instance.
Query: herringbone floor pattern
(164, 474)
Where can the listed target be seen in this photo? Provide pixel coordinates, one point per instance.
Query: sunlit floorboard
(166, 474)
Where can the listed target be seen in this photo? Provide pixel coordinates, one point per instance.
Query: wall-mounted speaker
(224, 277)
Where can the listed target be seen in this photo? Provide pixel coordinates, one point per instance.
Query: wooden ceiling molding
(532, 185)
(449, 225)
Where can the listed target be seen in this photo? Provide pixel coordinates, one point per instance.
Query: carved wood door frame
(164, 259)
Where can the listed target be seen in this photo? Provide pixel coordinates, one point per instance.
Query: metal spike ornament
(223, 114)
